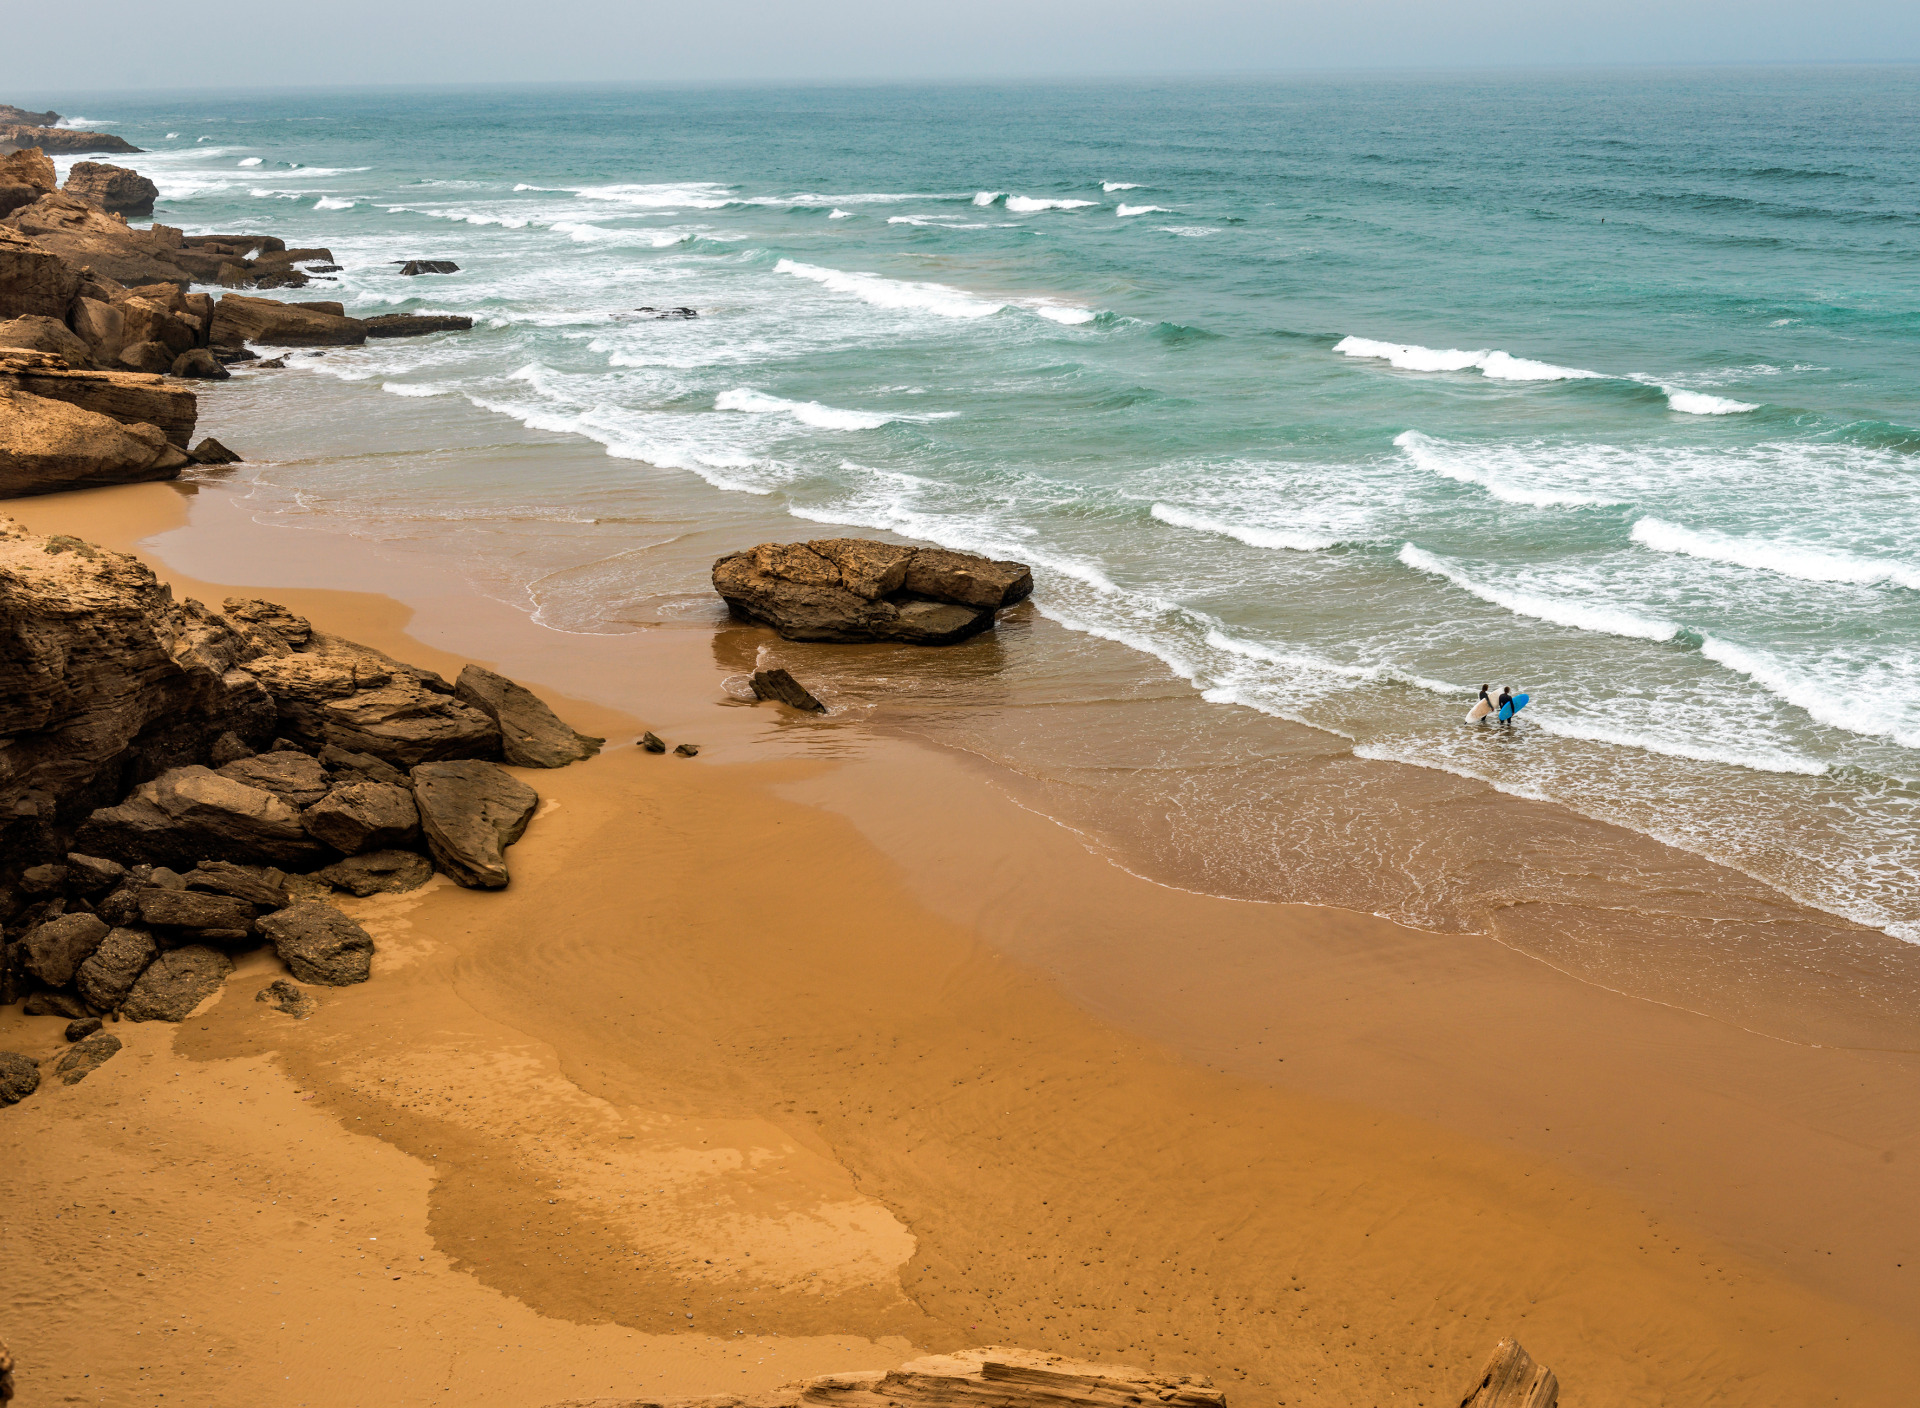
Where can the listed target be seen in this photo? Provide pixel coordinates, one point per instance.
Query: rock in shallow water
(471, 812)
(320, 944)
(283, 996)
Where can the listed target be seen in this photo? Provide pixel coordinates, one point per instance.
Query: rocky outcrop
(415, 324)
(175, 983)
(85, 235)
(34, 280)
(25, 176)
(972, 1378)
(428, 266)
(13, 116)
(320, 944)
(471, 812)
(531, 734)
(1511, 1379)
(163, 766)
(132, 398)
(115, 189)
(33, 332)
(47, 446)
(15, 135)
(855, 589)
(271, 323)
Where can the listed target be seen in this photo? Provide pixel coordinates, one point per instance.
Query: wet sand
(824, 1041)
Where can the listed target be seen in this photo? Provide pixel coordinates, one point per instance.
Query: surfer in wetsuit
(1500, 709)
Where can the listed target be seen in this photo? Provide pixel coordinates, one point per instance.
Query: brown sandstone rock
(471, 812)
(34, 280)
(113, 188)
(320, 944)
(364, 816)
(132, 398)
(47, 446)
(238, 319)
(531, 734)
(19, 1078)
(782, 686)
(86, 1057)
(56, 949)
(39, 333)
(295, 778)
(109, 973)
(155, 357)
(1511, 1379)
(25, 176)
(175, 983)
(85, 235)
(256, 884)
(378, 873)
(193, 813)
(211, 451)
(195, 909)
(60, 139)
(967, 579)
(198, 364)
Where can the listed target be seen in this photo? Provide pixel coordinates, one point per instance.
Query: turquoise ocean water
(1336, 396)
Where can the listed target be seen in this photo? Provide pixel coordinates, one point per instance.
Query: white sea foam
(893, 293)
(249, 161)
(1251, 536)
(1586, 731)
(1190, 231)
(1123, 210)
(415, 388)
(1832, 699)
(332, 203)
(1500, 366)
(1698, 403)
(1768, 555)
(1028, 205)
(699, 195)
(1319, 664)
(1463, 465)
(1072, 314)
(806, 412)
(1112, 186)
(988, 197)
(172, 135)
(1581, 615)
(838, 214)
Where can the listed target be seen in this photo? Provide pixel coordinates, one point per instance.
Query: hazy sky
(124, 44)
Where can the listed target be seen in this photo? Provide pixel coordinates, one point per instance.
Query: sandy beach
(821, 1049)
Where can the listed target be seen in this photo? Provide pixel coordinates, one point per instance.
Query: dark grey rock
(427, 266)
(86, 1058)
(189, 814)
(531, 734)
(368, 767)
(53, 1004)
(196, 909)
(105, 979)
(782, 686)
(229, 747)
(19, 1077)
(283, 996)
(175, 983)
(163, 878)
(378, 872)
(364, 816)
(293, 777)
(471, 811)
(43, 879)
(256, 884)
(687, 750)
(320, 944)
(92, 875)
(652, 742)
(122, 907)
(58, 947)
(81, 1028)
(416, 324)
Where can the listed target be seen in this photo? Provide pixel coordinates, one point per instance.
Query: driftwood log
(1511, 1379)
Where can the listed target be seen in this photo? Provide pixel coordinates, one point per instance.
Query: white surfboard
(1481, 708)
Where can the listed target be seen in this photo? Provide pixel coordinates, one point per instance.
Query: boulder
(34, 281)
(319, 944)
(1511, 1379)
(294, 777)
(404, 723)
(105, 978)
(349, 766)
(80, 1028)
(48, 446)
(86, 1057)
(211, 451)
(132, 398)
(198, 364)
(92, 875)
(363, 816)
(531, 734)
(237, 319)
(415, 324)
(782, 686)
(261, 885)
(42, 880)
(38, 333)
(155, 357)
(116, 189)
(196, 909)
(56, 949)
(378, 873)
(854, 589)
(19, 1077)
(427, 266)
(53, 1004)
(283, 996)
(471, 811)
(175, 983)
(190, 813)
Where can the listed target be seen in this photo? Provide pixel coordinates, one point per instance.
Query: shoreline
(1042, 953)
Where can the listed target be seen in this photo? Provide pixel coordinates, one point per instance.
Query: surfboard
(1514, 706)
(1481, 708)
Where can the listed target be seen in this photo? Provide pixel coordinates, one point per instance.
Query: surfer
(1500, 709)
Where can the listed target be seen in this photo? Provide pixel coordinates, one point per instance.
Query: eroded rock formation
(115, 189)
(856, 589)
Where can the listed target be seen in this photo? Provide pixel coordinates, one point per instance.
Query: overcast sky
(119, 43)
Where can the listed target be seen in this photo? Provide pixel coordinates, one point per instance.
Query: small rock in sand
(19, 1077)
(653, 743)
(86, 1058)
(782, 686)
(175, 983)
(687, 750)
(80, 1028)
(283, 996)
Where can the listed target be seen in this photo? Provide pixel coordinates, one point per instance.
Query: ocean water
(1325, 400)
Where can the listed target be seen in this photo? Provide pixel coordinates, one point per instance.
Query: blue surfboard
(1513, 706)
